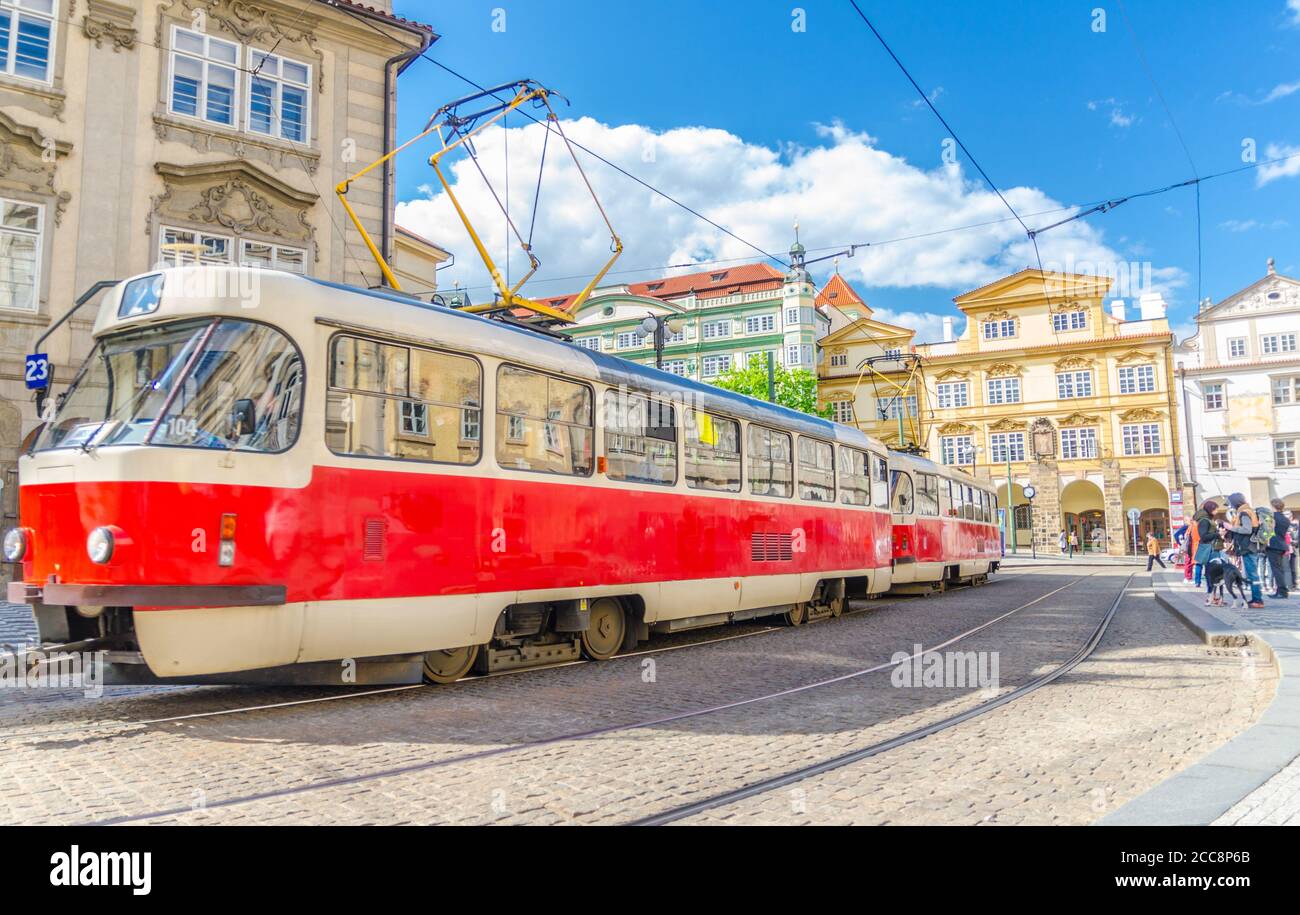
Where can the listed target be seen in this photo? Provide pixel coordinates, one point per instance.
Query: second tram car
(944, 525)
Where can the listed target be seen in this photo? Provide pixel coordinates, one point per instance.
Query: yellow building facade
(1045, 392)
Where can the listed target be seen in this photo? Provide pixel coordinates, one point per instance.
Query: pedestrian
(1276, 551)
(1063, 542)
(1183, 541)
(1243, 524)
(1074, 543)
(1153, 551)
(1203, 533)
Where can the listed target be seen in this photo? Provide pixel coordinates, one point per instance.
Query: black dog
(1223, 578)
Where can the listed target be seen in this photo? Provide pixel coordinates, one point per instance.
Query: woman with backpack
(1245, 528)
(1203, 534)
(1276, 550)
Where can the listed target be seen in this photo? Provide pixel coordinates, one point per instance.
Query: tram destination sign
(36, 370)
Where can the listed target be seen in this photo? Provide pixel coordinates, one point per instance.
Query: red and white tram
(260, 477)
(945, 525)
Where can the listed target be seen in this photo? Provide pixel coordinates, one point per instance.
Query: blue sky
(756, 124)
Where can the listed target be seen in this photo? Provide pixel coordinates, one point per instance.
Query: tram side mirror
(243, 418)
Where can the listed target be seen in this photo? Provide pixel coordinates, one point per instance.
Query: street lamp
(656, 324)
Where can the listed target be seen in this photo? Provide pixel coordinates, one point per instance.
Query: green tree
(795, 389)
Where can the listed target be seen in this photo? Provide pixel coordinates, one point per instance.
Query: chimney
(947, 330)
(1152, 305)
(1117, 309)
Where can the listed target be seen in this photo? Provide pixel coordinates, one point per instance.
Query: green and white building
(726, 315)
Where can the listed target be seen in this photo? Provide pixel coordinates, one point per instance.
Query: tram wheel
(447, 665)
(837, 608)
(796, 615)
(605, 630)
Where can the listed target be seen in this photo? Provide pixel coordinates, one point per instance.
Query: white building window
(588, 342)
(953, 394)
(839, 359)
(892, 407)
(1285, 391)
(1078, 443)
(1073, 384)
(27, 38)
(842, 411)
(415, 418)
(279, 96)
(994, 330)
(1141, 438)
(676, 367)
(20, 254)
(712, 330)
(670, 337)
(1237, 347)
(956, 449)
(712, 366)
(627, 340)
(760, 324)
(1137, 379)
(792, 354)
(1220, 456)
(1272, 344)
(272, 257)
(204, 75)
(1213, 394)
(178, 247)
(1284, 453)
(1069, 320)
(1004, 444)
(1004, 390)
(792, 317)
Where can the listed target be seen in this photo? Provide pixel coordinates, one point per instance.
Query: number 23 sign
(37, 370)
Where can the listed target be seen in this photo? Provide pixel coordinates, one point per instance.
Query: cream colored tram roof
(296, 303)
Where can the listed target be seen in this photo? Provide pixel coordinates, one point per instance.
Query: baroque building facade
(168, 131)
(1239, 385)
(1044, 388)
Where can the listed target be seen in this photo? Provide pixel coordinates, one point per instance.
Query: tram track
(495, 752)
(853, 756)
(407, 687)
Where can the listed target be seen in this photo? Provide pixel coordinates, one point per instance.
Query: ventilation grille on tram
(376, 538)
(770, 547)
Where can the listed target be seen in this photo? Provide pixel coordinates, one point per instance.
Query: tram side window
(984, 507)
(901, 497)
(879, 482)
(927, 495)
(955, 499)
(712, 452)
(396, 401)
(771, 470)
(816, 470)
(544, 424)
(640, 439)
(855, 478)
(969, 513)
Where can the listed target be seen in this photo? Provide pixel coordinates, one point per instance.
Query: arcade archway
(1083, 512)
(1151, 500)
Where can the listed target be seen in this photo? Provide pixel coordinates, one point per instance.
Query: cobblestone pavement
(16, 624)
(1152, 702)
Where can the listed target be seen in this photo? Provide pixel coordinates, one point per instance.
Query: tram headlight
(16, 544)
(99, 545)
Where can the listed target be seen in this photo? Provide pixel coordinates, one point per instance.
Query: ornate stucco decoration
(1073, 362)
(237, 198)
(1134, 355)
(29, 161)
(839, 395)
(1059, 305)
(952, 375)
(1002, 315)
(1002, 370)
(956, 429)
(1007, 425)
(111, 22)
(249, 23)
(1140, 415)
(1042, 436)
(1080, 419)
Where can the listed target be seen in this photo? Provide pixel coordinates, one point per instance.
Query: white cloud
(1118, 117)
(927, 324)
(843, 190)
(1293, 7)
(1282, 90)
(1271, 171)
(1245, 225)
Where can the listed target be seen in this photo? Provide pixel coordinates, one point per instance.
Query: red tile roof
(391, 17)
(707, 284)
(838, 293)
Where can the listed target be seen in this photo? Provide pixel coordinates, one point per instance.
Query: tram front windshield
(215, 384)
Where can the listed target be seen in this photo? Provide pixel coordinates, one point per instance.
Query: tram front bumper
(71, 595)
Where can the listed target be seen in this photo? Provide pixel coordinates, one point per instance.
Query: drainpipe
(393, 68)
(1187, 430)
